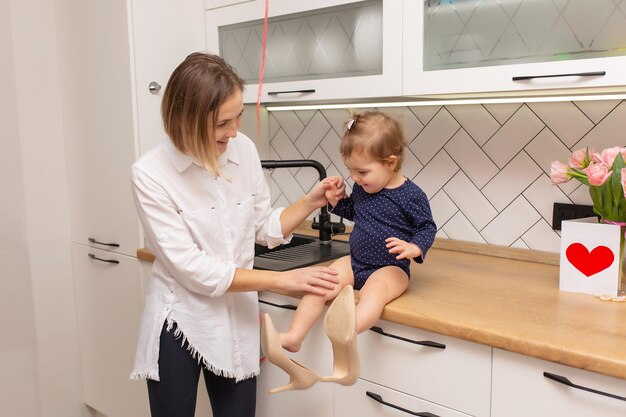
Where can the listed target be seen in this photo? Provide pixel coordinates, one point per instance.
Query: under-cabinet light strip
(449, 102)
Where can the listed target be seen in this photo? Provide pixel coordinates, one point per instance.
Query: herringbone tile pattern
(485, 168)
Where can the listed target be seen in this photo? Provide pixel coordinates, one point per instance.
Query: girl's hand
(315, 280)
(335, 189)
(404, 250)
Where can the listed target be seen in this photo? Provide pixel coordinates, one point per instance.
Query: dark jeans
(175, 394)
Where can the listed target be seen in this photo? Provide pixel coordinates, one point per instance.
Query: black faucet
(324, 225)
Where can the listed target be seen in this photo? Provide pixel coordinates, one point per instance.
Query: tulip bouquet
(604, 173)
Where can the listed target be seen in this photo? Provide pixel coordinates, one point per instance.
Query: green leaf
(617, 190)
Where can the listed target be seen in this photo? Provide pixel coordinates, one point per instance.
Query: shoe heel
(340, 327)
(300, 377)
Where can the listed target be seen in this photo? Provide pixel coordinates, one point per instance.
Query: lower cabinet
(366, 399)
(109, 304)
(450, 372)
(524, 386)
(316, 354)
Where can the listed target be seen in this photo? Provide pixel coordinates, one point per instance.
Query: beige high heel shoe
(340, 326)
(300, 377)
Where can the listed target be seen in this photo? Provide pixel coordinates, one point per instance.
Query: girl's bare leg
(383, 286)
(311, 306)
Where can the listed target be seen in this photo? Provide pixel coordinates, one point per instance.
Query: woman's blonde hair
(374, 134)
(194, 93)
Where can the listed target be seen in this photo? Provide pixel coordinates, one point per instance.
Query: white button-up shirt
(201, 228)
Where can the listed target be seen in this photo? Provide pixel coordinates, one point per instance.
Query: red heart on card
(589, 263)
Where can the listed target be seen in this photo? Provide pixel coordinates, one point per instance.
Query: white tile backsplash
(511, 181)
(542, 237)
(485, 168)
(312, 134)
(471, 158)
(511, 223)
(476, 121)
(460, 228)
(502, 112)
(436, 174)
(434, 136)
(596, 110)
(474, 205)
(518, 131)
(564, 119)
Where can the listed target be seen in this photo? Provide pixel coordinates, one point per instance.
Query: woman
(203, 202)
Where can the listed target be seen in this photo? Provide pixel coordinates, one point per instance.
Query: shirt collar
(181, 161)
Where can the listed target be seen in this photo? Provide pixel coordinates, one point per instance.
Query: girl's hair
(374, 134)
(192, 97)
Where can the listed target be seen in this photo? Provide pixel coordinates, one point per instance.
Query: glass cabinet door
(332, 42)
(479, 47)
(316, 49)
(470, 33)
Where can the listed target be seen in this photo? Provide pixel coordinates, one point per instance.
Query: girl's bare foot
(290, 343)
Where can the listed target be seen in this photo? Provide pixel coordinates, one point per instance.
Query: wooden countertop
(509, 298)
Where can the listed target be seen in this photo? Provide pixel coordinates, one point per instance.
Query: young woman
(203, 203)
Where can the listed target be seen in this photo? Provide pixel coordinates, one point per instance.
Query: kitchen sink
(300, 252)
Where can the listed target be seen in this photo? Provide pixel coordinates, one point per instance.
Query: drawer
(366, 399)
(521, 389)
(456, 374)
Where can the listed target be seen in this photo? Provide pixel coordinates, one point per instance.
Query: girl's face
(373, 175)
(229, 116)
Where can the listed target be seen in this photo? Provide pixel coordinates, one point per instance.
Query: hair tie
(351, 123)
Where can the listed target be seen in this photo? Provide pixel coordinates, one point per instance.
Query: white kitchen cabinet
(450, 372)
(521, 389)
(469, 31)
(108, 305)
(316, 354)
(111, 117)
(313, 53)
(367, 399)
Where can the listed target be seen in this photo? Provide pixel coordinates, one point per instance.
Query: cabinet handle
(275, 93)
(378, 398)
(428, 343)
(284, 306)
(575, 74)
(111, 261)
(562, 380)
(114, 245)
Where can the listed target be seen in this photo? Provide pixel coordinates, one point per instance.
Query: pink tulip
(597, 173)
(559, 172)
(579, 159)
(607, 157)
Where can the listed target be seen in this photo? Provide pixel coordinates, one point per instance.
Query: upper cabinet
(476, 46)
(315, 50)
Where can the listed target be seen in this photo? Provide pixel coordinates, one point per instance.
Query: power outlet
(568, 212)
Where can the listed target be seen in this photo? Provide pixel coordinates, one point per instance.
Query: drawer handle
(275, 93)
(562, 380)
(378, 398)
(92, 240)
(428, 343)
(110, 261)
(576, 74)
(284, 306)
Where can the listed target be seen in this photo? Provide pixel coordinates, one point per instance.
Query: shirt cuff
(275, 230)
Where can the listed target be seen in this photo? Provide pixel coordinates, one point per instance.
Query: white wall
(39, 352)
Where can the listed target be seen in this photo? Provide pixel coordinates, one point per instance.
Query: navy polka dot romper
(401, 212)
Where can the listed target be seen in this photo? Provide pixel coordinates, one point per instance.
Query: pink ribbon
(621, 224)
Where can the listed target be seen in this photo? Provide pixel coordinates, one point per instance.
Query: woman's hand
(315, 280)
(403, 249)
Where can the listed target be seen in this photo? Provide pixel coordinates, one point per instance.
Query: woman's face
(229, 116)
